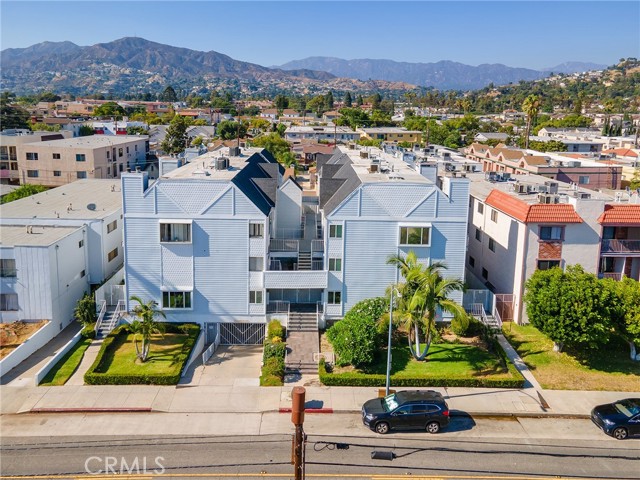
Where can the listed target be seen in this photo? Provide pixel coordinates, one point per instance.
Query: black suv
(421, 409)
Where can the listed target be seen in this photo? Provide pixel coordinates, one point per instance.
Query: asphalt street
(479, 448)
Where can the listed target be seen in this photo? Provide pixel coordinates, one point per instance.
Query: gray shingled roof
(258, 180)
(337, 181)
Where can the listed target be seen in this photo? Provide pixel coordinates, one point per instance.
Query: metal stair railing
(103, 310)
(496, 315)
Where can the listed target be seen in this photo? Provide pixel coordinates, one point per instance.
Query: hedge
(357, 379)
(275, 329)
(115, 339)
(272, 373)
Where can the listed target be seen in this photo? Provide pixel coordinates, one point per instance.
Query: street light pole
(393, 289)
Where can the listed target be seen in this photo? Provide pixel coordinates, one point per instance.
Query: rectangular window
(334, 298)
(80, 175)
(485, 274)
(175, 232)
(135, 147)
(82, 273)
(335, 264)
(256, 264)
(9, 302)
(32, 156)
(81, 157)
(56, 156)
(112, 226)
(583, 179)
(8, 267)
(547, 264)
(494, 215)
(335, 231)
(256, 230)
(478, 234)
(472, 261)
(57, 173)
(127, 149)
(551, 233)
(480, 208)
(255, 297)
(81, 244)
(492, 244)
(176, 299)
(112, 254)
(120, 152)
(415, 235)
(108, 154)
(33, 173)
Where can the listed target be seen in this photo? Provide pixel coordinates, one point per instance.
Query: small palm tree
(530, 106)
(146, 326)
(424, 292)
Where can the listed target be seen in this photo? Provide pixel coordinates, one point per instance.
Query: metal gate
(242, 333)
(504, 306)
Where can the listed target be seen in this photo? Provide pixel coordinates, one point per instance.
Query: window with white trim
(57, 173)
(112, 226)
(494, 215)
(176, 299)
(335, 264)
(480, 208)
(334, 298)
(256, 230)
(255, 297)
(56, 156)
(175, 232)
(547, 264)
(256, 264)
(112, 254)
(583, 179)
(551, 233)
(32, 156)
(335, 231)
(9, 302)
(81, 157)
(415, 236)
(81, 175)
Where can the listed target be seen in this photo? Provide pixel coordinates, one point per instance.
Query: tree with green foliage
(43, 127)
(197, 141)
(23, 191)
(229, 130)
(175, 140)
(12, 116)
(281, 102)
(530, 106)
(85, 311)
(109, 109)
(347, 100)
(137, 131)
(353, 117)
(276, 145)
(424, 292)
(635, 180)
(627, 320)
(86, 131)
(145, 326)
(317, 105)
(356, 338)
(572, 307)
(328, 101)
(168, 95)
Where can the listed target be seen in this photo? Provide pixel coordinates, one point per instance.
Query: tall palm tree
(424, 292)
(145, 326)
(530, 106)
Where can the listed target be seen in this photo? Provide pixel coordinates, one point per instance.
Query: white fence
(32, 344)
(56, 358)
(197, 348)
(111, 291)
(211, 349)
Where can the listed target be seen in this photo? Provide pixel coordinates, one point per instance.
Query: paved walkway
(88, 358)
(530, 380)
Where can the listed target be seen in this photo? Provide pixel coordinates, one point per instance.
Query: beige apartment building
(58, 162)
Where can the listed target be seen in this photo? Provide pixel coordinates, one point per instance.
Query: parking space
(232, 365)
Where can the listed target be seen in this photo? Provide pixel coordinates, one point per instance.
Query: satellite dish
(91, 206)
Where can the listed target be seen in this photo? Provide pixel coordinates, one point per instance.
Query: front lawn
(117, 363)
(447, 364)
(67, 365)
(607, 368)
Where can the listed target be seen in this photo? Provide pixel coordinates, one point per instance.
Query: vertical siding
(35, 287)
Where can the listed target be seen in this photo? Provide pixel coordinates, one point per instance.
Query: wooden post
(297, 418)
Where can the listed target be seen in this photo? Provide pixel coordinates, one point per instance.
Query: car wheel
(382, 427)
(433, 427)
(620, 433)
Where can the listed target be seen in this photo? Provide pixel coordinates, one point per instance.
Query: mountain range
(444, 75)
(134, 65)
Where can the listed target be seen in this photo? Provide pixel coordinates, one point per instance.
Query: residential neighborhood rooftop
(88, 198)
(205, 166)
(41, 236)
(92, 141)
(390, 168)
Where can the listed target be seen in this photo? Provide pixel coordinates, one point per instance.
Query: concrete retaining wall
(197, 349)
(56, 358)
(34, 343)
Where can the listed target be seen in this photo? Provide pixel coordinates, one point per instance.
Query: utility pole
(297, 418)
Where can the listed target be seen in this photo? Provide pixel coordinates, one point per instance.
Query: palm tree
(424, 292)
(530, 106)
(146, 326)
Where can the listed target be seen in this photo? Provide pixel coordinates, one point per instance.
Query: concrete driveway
(232, 365)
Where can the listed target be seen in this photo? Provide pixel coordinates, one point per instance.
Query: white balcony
(295, 279)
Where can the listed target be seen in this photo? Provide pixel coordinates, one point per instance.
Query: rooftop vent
(220, 163)
(546, 198)
(91, 206)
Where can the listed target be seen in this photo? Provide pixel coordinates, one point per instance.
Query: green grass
(606, 368)
(164, 356)
(67, 365)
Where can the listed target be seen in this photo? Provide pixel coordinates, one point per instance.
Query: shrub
(273, 367)
(275, 329)
(273, 349)
(356, 338)
(88, 331)
(460, 325)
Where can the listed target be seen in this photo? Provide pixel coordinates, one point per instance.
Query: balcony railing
(8, 272)
(283, 245)
(620, 246)
(280, 266)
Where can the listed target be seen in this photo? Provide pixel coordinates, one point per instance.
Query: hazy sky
(516, 33)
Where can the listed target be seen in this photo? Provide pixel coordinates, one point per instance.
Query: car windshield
(390, 402)
(627, 408)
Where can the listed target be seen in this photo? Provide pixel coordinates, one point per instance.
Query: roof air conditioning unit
(544, 198)
(584, 195)
(221, 163)
(543, 189)
(553, 186)
(522, 188)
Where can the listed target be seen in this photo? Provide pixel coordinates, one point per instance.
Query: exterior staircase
(109, 318)
(304, 261)
(303, 341)
(492, 322)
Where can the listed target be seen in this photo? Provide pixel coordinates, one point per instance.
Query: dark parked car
(619, 419)
(422, 409)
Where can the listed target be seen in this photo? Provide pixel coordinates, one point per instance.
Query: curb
(91, 410)
(310, 410)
